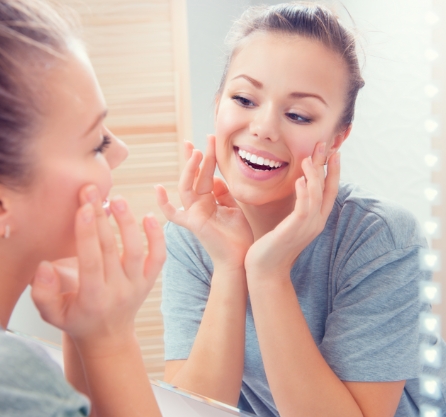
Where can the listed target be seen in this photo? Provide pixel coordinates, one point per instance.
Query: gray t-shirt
(357, 285)
(33, 385)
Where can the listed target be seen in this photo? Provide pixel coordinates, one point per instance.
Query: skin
(283, 95)
(95, 303)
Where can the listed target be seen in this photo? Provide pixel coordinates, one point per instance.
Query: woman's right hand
(209, 210)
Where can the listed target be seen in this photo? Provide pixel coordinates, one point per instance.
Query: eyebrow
(259, 85)
(98, 120)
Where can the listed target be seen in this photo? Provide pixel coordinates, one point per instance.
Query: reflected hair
(309, 20)
(34, 35)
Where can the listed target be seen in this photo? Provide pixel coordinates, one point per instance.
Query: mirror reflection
(293, 277)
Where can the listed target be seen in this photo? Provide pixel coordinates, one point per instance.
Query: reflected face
(73, 148)
(283, 94)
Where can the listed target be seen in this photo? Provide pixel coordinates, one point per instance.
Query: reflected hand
(98, 309)
(276, 251)
(209, 210)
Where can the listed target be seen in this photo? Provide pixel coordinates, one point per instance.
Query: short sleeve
(185, 284)
(33, 385)
(372, 331)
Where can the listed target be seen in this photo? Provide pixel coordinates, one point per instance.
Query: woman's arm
(215, 364)
(99, 314)
(299, 377)
(214, 367)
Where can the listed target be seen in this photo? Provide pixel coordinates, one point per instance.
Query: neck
(16, 273)
(266, 217)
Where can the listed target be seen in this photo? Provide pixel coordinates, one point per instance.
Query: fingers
(133, 255)
(91, 269)
(157, 249)
(110, 253)
(187, 179)
(45, 292)
(318, 158)
(331, 184)
(169, 210)
(313, 185)
(188, 149)
(222, 194)
(302, 201)
(205, 181)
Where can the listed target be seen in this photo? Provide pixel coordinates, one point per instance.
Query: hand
(276, 251)
(98, 310)
(210, 211)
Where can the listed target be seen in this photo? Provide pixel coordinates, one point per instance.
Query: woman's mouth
(258, 163)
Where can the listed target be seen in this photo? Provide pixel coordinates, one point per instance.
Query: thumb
(45, 293)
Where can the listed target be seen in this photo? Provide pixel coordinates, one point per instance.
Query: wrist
(111, 345)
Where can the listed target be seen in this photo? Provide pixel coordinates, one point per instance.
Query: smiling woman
(285, 291)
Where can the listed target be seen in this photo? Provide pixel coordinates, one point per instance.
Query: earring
(326, 160)
(7, 232)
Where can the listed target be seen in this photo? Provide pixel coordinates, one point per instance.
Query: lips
(257, 164)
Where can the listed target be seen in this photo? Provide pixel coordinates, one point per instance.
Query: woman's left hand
(97, 308)
(275, 252)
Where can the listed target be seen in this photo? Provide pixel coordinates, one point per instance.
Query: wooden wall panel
(139, 51)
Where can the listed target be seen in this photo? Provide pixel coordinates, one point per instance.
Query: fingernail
(87, 213)
(119, 204)
(151, 220)
(44, 275)
(92, 194)
(302, 182)
(322, 147)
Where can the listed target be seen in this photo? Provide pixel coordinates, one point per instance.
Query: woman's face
(283, 94)
(73, 148)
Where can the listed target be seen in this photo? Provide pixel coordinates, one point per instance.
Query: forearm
(215, 365)
(73, 368)
(118, 382)
(298, 375)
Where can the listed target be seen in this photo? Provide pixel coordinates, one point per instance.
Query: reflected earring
(7, 232)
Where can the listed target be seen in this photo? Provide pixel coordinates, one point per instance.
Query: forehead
(72, 94)
(286, 62)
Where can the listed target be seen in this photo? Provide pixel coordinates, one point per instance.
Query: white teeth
(258, 160)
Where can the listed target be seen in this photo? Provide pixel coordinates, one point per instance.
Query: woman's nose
(117, 152)
(265, 124)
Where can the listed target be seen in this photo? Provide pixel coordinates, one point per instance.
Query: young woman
(56, 157)
(284, 291)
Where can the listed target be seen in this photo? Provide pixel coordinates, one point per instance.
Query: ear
(339, 140)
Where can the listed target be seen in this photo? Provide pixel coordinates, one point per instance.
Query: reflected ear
(339, 140)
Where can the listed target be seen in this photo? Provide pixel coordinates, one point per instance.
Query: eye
(297, 118)
(243, 101)
(106, 142)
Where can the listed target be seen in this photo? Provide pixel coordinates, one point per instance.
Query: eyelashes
(293, 117)
(106, 142)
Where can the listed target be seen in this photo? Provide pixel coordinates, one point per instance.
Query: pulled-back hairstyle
(311, 21)
(33, 36)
